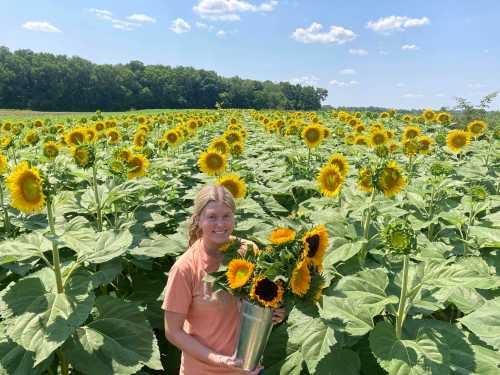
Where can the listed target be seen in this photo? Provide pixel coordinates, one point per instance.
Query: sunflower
(280, 236)
(31, 138)
(212, 162)
(391, 180)
(330, 180)
(340, 162)
(50, 149)
(83, 155)
(238, 272)
(237, 149)
(267, 292)
(315, 243)
(124, 154)
(26, 188)
(410, 147)
(359, 128)
(137, 165)
(378, 137)
(3, 163)
(113, 135)
(407, 118)
(300, 281)
(75, 136)
(399, 237)
(220, 145)
(91, 135)
(411, 132)
(232, 137)
(443, 118)
(392, 146)
(234, 184)
(457, 139)
(172, 137)
(476, 127)
(140, 138)
(99, 126)
(424, 144)
(428, 115)
(312, 135)
(361, 140)
(326, 133)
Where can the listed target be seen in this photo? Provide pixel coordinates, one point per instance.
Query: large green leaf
(339, 362)
(24, 247)
(40, 319)
(172, 245)
(118, 341)
(426, 354)
(358, 318)
(106, 246)
(485, 322)
(15, 360)
(487, 237)
(343, 252)
(318, 342)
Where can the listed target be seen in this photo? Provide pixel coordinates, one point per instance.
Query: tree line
(48, 82)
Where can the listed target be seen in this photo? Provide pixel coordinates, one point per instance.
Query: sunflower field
(94, 212)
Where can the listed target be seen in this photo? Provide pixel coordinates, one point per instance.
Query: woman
(204, 324)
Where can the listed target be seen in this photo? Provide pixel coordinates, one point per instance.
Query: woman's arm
(175, 333)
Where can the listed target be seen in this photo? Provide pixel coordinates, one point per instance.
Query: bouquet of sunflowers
(285, 272)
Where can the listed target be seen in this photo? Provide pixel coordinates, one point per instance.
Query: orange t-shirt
(211, 318)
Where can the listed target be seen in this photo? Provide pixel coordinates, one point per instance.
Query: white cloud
(102, 13)
(412, 96)
(228, 10)
(475, 85)
(42, 26)
(204, 26)
(305, 81)
(221, 34)
(124, 25)
(409, 47)
(180, 26)
(141, 18)
(313, 34)
(386, 25)
(358, 52)
(347, 72)
(336, 83)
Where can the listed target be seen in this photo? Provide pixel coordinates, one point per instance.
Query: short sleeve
(178, 292)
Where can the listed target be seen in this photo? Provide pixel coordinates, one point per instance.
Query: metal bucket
(255, 328)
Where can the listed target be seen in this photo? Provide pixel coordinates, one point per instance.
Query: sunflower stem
(489, 152)
(400, 318)
(56, 262)
(6, 219)
(366, 225)
(97, 198)
(63, 363)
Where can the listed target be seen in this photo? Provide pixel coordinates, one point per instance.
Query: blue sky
(403, 54)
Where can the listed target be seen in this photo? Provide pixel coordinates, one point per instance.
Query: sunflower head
(390, 179)
(5, 142)
(478, 193)
(172, 137)
(444, 118)
(140, 138)
(117, 167)
(234, 184)
(26, 188)
(113, 135)
(31, 138)
(237, 149)
(50, 149)
(365, 182)
(300, 282)
(428, 115)
(4, 163)
(340, 162)
(457, 139)
(477, 127)
(410, 146)
(267, 292)
(312, 135)
(378, 137)
(315, 243)
(83, 155)
(399, 237)
(220, 145)
(76, 137)
(233, 136)
(123, 154)
(239, 272)
(330, 180)
(280, 236)
(424, 144)
(361, 140)
(411, 132)
(212, 162)
(137, 166)
(440, 169)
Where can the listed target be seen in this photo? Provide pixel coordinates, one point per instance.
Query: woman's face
(216, 223)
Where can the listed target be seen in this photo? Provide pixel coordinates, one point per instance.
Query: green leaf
(358, 318)
(487, 237)
(485, 322)
(40, 319)
(119, 341)
(339, 362)
(320, 338)
(172, 245)
(343, 252)
(107, 246)
(424, 355)
(24, 247)
(15, 360)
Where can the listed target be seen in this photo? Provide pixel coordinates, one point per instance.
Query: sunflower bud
(399, 238)
(478, 193)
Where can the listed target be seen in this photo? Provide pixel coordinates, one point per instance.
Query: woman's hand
(278, 315)
(233, 362)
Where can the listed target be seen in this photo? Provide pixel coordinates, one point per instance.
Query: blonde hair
(207, 194)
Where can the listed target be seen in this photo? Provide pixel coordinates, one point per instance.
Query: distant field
(27, 114)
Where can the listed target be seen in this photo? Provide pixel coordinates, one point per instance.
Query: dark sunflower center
(266, 290)
(232, 187)
(312, 135)
(214, 162)
(31, 189)
(458, 141)
(313, 243)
